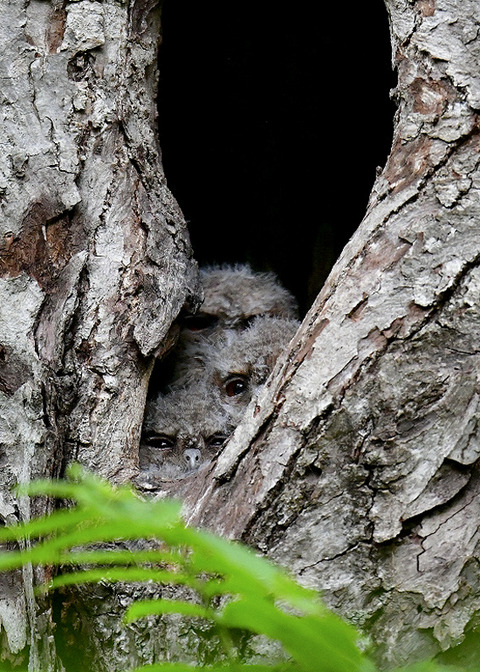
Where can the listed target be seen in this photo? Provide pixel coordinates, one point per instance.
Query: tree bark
(95, 257)
(356, 467)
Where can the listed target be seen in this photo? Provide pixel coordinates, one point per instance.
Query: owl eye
(217, 440)
(160, 441)
(235, 385)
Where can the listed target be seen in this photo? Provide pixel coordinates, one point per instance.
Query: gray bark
(95, 262)
(356, 465)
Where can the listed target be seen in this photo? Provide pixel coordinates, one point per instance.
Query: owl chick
(236, 363)
(236, 294)
(244, 360)
(182, 431)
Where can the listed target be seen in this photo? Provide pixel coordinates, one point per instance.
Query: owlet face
(242, 361)
(182, 432)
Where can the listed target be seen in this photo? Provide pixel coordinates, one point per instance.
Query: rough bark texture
(357, 465)
(95, 261)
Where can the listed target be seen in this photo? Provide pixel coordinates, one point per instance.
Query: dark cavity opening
(272, 123)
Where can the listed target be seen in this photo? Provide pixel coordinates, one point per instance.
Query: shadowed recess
(272, 122)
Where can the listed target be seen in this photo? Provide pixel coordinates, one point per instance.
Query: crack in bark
(446, 295)
(448, 505)
(332, 558)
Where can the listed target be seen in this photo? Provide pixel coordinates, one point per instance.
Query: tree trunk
(356, 465)
(95, 258)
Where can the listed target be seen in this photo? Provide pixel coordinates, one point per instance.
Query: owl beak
(192, 457)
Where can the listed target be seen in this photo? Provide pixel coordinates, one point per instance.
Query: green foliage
(236, 589)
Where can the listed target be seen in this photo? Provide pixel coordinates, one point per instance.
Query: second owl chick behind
(234, 295)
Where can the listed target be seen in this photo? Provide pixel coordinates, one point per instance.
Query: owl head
(232, 363)
(234, 295)
(243, 360)
(182, 431)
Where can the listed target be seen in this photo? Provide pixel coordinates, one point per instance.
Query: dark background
(272, 122)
